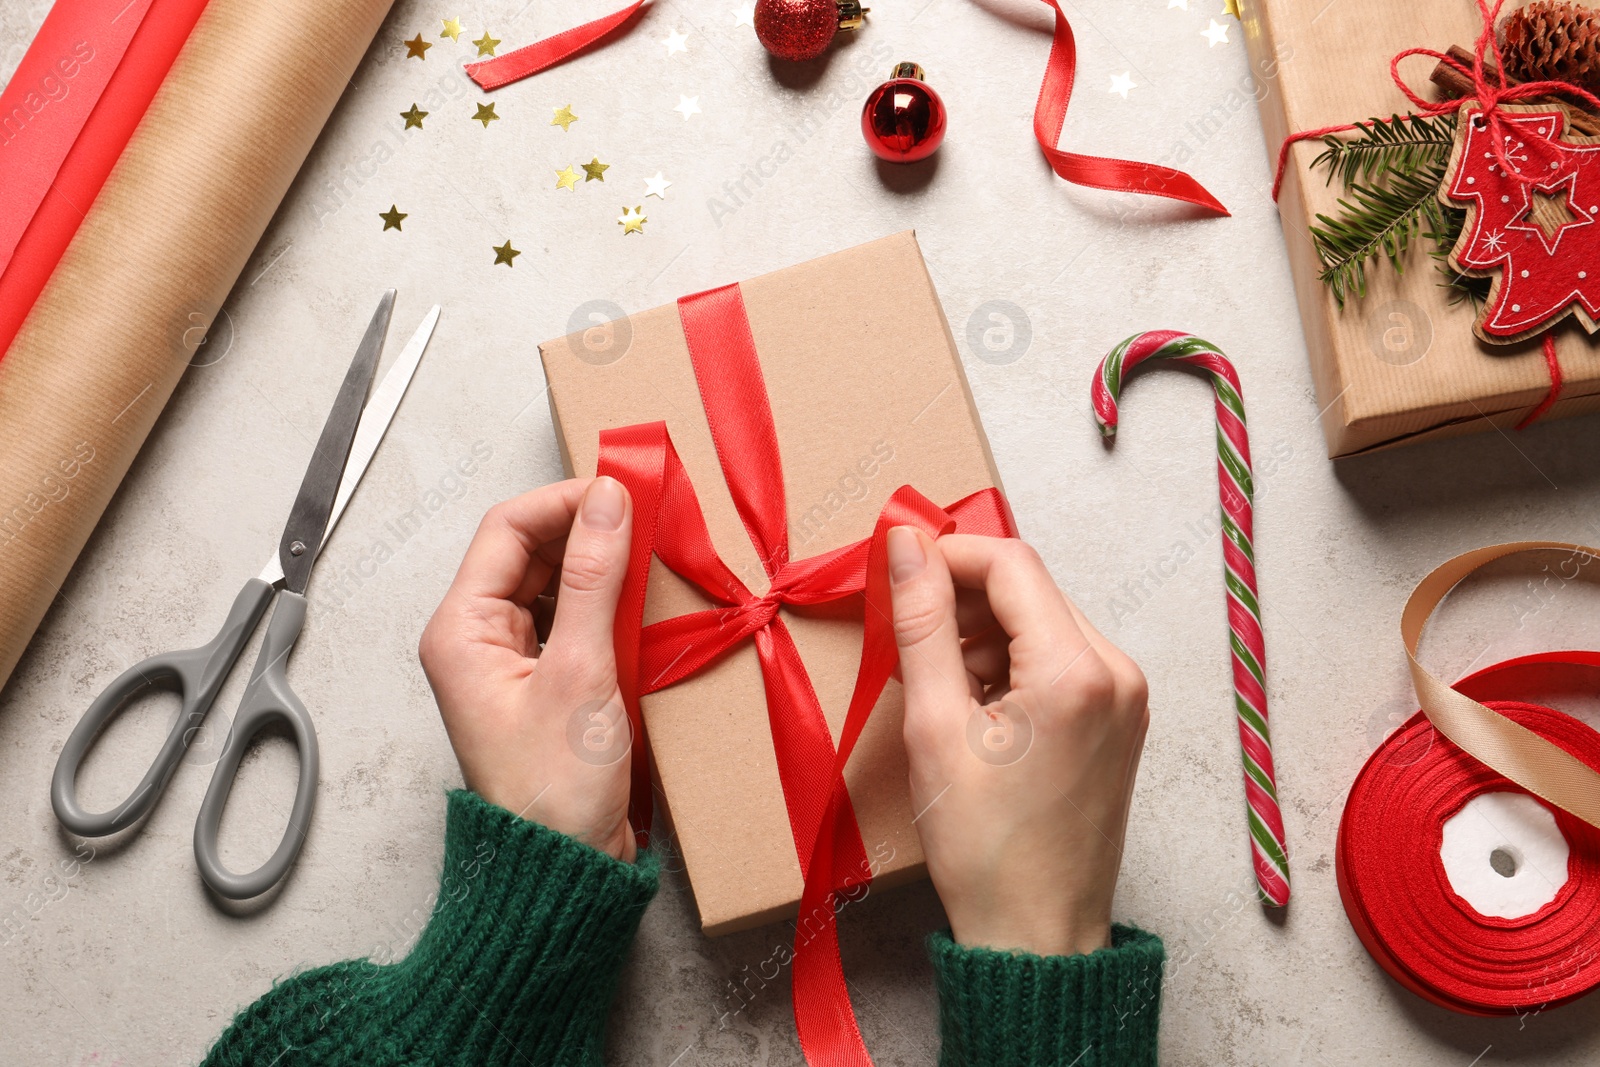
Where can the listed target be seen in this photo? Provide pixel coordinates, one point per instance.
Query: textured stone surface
(129, 962)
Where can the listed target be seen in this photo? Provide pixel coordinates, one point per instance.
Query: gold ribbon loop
(1537, 765)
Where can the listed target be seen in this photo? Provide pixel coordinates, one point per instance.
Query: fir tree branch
(1378, 219)
(1404, 144)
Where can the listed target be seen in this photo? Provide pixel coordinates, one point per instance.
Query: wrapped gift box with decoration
(1439, 181)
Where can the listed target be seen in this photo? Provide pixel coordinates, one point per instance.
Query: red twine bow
(668, 523)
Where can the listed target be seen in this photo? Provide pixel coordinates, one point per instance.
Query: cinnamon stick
(1456, 85)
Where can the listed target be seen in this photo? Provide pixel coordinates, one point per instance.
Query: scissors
(349, 439)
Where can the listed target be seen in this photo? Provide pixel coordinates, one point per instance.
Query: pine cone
(1553, 40)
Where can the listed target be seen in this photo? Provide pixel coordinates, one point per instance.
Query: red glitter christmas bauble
(904, 119)
(797, 29)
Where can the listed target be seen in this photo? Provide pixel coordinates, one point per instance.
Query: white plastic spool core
(1504, 855)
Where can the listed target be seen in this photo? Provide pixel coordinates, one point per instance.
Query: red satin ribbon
(540, 55)
(1118, 175)
(668, 523)
(54, 161)
(1393, 884)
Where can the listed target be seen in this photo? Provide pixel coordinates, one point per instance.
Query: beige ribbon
(1539, 766)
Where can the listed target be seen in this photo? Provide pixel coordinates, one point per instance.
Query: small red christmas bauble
(803, 29)
(904, 119)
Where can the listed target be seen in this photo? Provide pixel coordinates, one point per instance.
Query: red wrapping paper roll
(95, 144)
(1393, 883)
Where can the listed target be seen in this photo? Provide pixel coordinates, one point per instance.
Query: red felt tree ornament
(903, 119)
(1533, 218)
(803, 29)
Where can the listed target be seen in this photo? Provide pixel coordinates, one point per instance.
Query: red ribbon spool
(1394, 886)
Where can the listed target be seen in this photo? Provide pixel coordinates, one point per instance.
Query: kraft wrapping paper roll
(157, 254)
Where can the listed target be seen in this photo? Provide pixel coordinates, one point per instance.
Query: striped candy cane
(1267, 846)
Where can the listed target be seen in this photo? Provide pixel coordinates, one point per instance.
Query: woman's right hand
(1023, 727)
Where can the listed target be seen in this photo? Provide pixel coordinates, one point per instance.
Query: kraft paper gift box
(1401, 364)
(867, 394)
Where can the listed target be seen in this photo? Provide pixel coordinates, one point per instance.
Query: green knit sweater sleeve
(518, 963)
(1004, 1009)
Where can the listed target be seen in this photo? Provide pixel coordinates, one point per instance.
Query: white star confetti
(745, 16)
(676, 42)
(1216, 33)
(1121, 83)
(688, 105)
(1182, 5)
(656, 187)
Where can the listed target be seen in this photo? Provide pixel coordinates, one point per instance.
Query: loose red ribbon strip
(1117, 175)
(1393, 883)
(669, 524)
(541, 55)
(65, 117)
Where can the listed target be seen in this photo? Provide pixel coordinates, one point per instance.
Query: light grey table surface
(132, 963)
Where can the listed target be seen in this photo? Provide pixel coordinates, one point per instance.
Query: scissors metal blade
(308, 519)
(375, 420)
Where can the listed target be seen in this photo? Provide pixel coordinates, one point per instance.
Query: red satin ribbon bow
(668, 523)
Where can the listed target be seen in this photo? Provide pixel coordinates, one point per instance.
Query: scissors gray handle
(267, 699)
(197, 675)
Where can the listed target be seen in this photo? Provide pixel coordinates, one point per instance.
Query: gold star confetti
(595, 171)
(567, 179)
(486, 44)
(505, 253)
(416, 47)
(1231, 7)
(564, 117)
(391, 218)
(632, 221)
(656, 187)
(485, 115)
(413, 117)
(452, 29)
